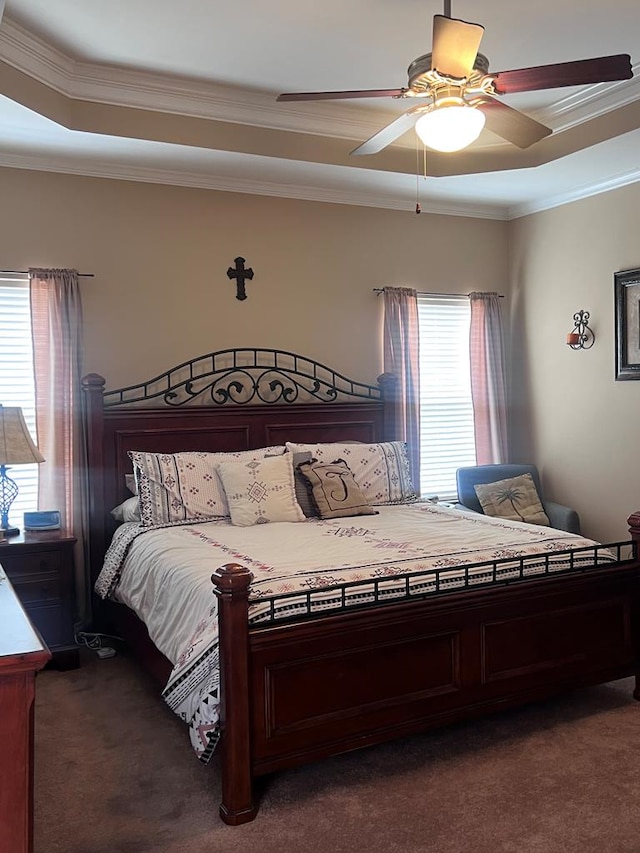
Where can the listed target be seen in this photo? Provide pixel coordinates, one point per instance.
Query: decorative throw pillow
(381, 470)
(335, 491)
(260, 490)
(128, 510)
(178, 488)
(302, 485)
(516, 498)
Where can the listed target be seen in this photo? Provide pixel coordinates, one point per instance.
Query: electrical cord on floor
(93, 641)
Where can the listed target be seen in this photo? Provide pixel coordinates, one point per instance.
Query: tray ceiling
(153, 90)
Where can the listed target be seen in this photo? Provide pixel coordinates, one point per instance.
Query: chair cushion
(515, 498)
(469, 477)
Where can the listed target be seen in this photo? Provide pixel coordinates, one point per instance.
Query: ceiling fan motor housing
(420, 72)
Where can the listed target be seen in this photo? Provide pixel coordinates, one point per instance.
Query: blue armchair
(560, 517)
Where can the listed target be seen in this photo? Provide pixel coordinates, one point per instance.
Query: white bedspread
(164, 575)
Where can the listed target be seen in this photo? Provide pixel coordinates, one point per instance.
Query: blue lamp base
(8, 493)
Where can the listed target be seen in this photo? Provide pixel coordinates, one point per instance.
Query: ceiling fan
(460, 92)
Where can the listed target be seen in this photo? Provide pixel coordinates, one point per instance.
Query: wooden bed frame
(306, 689)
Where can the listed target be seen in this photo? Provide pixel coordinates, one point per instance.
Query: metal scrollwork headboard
(244, 376)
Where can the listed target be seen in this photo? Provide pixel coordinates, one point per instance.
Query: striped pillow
(182, 488)
(381, 470)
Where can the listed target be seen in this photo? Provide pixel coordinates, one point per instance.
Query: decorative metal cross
(241, 275)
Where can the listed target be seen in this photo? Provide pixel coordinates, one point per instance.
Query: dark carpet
(114, 773)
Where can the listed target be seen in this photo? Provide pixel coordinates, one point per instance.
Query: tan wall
(160, 254)
(572, 417)
(161, 295)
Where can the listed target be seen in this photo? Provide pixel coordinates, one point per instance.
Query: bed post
(93, 388)
(634, 529)
(231, 584)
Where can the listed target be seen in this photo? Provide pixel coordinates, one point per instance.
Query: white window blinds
(446, 412)
(17, 382)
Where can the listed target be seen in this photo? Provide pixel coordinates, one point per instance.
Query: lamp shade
(450, 127)
(16, 444)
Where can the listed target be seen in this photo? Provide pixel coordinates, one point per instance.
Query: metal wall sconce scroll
(581, 337)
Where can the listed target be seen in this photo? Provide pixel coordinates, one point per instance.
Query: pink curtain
(56, 322)
(488, 382)
(401, 358)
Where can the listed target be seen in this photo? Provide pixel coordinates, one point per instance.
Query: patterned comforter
(164, 574)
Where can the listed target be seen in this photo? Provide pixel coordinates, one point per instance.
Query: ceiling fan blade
(333, 96)
(455, 46)
(389, 133)
(578, 73)
(512, 125)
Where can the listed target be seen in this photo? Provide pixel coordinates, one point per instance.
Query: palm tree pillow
(516, 499)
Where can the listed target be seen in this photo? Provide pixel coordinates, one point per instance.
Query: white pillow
(381, 470)
(260, 491)
(128, 510)
(130, 483)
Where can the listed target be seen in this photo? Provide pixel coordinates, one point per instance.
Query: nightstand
(40, 568)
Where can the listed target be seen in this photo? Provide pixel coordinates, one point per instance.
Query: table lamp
(16, 448)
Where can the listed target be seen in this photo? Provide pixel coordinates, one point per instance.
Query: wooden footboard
(309, 689)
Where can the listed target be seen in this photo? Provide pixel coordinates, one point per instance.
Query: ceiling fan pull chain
(424, 172)
(418, 207)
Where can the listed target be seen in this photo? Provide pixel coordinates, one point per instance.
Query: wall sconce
(581, 337)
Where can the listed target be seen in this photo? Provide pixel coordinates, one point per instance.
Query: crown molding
(624, 179)
(593, 101)
(113, 171)
(200, 99)
(35, 57)
(176, 95)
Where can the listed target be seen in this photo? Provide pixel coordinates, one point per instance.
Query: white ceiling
(184, 93)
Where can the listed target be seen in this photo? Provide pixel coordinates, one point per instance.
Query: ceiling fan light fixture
(450, 126)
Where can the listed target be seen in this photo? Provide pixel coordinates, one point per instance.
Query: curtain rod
(26, 272)
(427, 293)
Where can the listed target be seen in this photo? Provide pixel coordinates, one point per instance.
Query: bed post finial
(388, 384)
(231, 585)
(232, 579)
(634, 526)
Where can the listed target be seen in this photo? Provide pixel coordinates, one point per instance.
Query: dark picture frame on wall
(627, 300)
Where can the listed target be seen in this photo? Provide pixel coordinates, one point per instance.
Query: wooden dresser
(22, 654)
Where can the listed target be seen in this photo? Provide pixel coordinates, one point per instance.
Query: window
(446, 411)
(17, 382)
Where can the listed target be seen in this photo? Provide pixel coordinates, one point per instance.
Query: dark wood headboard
(236, 399)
